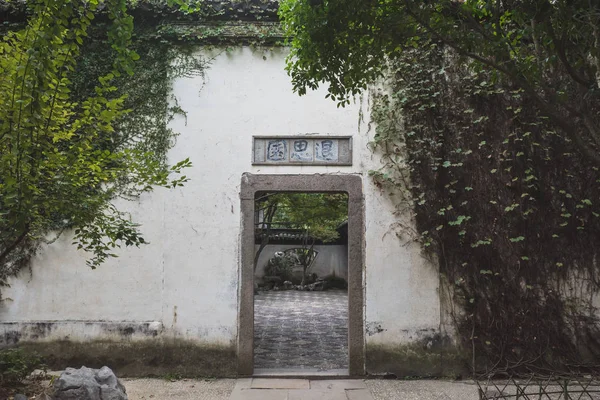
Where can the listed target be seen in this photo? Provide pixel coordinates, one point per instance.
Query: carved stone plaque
(302, 150)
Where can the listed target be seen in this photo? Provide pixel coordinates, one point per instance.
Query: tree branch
(562, 56)
(549, 111)
(14, 245)
(271, 209)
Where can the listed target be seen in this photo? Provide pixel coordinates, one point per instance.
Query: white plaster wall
(187, 278)
(61, 287)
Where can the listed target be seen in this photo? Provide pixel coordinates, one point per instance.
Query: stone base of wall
(136, 349)
(131, 349)
(424, 359)
(147, 358)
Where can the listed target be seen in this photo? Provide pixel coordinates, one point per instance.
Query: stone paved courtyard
(294, 389)
(301, 330)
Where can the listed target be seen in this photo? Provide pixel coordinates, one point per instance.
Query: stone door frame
(350, 184)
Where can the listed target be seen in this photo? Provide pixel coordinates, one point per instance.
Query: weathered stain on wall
(434, 356)
(13, 333)
(151, 357)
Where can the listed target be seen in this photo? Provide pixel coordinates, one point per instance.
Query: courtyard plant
(317, 215)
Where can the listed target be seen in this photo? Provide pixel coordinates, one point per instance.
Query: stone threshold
(304, 373)
(300, 389)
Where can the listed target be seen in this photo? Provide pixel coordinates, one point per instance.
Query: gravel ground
(422, 390)
(184, 389)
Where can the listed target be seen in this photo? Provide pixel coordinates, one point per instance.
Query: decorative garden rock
(89, 384)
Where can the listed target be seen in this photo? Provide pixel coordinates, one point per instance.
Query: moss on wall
(430, 357)
(152, 357)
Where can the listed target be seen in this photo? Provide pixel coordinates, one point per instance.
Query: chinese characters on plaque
(302, 150)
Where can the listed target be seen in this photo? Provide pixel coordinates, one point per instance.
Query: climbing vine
(84, 55)
(507, 206)
(146, 91)
(124, 155)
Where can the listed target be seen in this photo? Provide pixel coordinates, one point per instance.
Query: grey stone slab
(338, 384)
(265, 383)
(314, 394)
(358, 394)
(260, 394)
(301, 330)
(302, 150)
(304, 373)
(243, 383)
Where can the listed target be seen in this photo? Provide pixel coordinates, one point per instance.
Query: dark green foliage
(490, 131)
(16, 365)
(319, 214)
(508, 206)
(146, 92)
(335, 282)
(548, 49)
(77, 132)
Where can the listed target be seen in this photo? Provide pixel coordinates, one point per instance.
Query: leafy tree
(549, 49)
(318, 215)
(487, 130)
(59, 165)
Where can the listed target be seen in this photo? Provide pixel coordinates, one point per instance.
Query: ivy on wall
(507, 206)
(209, 22)
(147, 91)
(165, 39)
(142, 129)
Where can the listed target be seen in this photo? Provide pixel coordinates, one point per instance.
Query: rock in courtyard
(89, 384)
(20, 397)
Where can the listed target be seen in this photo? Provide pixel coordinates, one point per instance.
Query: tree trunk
(307, 259)
(269, 214)
(13, 245)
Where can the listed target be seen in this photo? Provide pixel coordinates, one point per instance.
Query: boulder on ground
(89, 384)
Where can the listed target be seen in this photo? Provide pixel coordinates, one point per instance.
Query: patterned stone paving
(306, 330)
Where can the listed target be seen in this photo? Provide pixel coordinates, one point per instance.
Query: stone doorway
(344, 307)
